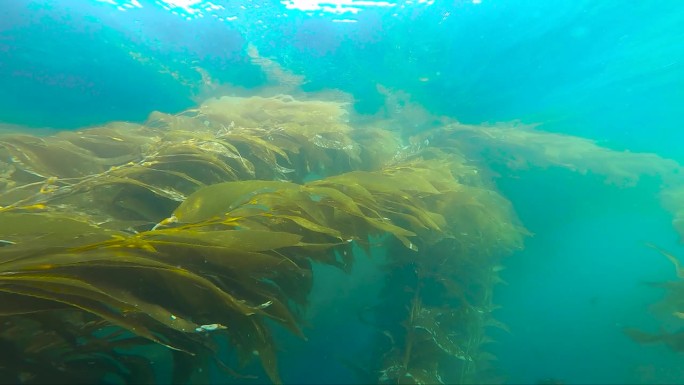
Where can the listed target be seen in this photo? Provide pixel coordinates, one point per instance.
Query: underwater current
(341, 191)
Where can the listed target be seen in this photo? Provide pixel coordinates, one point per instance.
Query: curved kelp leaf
(218, 199)
(79, 295)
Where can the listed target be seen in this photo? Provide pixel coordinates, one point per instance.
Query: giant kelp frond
(137, 172)
(74, 207)
(170, 288)
(198, 227)
(339, 209)
(232, 255)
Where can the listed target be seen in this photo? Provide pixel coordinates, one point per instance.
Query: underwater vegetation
(200, 229)
(127, 245)
(670, 310)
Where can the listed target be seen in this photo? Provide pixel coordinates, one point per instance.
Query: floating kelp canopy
(130, 244)
(202, 227)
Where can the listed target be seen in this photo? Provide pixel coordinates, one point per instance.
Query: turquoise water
(607, 70)
(610, 71)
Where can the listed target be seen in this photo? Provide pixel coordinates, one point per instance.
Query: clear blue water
(612, 71)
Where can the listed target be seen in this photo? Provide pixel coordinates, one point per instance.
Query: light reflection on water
(193, 9)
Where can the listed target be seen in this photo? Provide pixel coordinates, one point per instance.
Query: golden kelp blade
(218, 199)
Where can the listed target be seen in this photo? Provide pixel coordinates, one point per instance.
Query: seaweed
(670, 310)
(511, 147)
(199, 230)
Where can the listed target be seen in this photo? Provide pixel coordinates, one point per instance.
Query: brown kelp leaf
(239, 240)
(26, 228)
(47, 291)
(263, 347)
(312, 226)
(121, 257)
(14, 304)
(218, 199)
(265, 148)
(334, 198)
(114, 297)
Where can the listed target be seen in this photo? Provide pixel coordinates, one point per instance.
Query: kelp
(240, 252)
(77, 208)
(167, 289)
(334, 210)
(670, 310)
(519, 146)
(443, 291)
(141, 172)
(309, 136)
(69, 348)
(672, 197)
(515, 146)
(499, 148)
(199, 230)
(276, 74)
(447, 310)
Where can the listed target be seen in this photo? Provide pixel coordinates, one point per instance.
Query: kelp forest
(184, 248)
